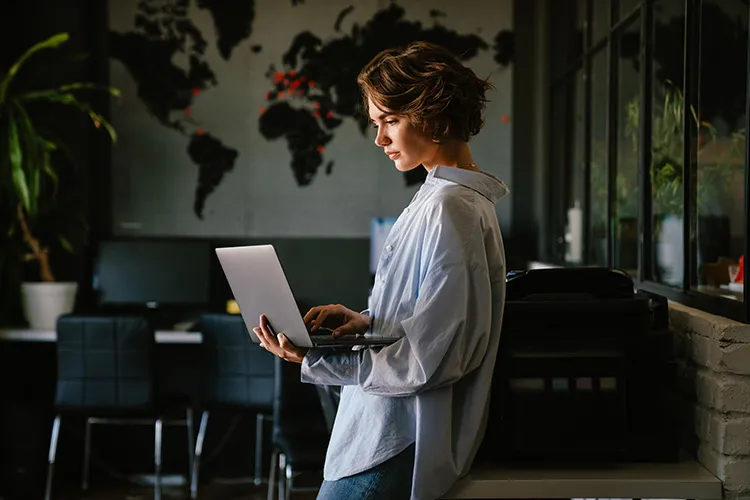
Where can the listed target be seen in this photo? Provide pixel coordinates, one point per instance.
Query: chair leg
(288, 489)
(282, 476)
(190, 442)
(272, 486)
(258, 479)
(86, 455)
(197, 456)
(157, 459)
(51, 456)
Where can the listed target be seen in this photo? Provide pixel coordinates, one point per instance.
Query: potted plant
(29, 179)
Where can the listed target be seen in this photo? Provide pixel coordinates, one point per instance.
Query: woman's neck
(455, 154)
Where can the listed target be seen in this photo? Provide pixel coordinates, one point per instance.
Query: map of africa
(310, 94)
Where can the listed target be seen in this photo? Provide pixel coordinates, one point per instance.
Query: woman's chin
(403, 166)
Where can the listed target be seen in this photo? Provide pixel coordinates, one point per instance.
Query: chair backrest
(105, 362)
(236, 371)
(297, 408)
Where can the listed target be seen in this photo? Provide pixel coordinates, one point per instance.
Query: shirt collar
(483, 183)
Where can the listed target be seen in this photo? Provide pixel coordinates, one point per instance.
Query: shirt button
(406, 210)
(389, 248)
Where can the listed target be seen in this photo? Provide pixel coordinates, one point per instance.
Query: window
(667, 142)
(598, 172)
(648, 118)
(719, 205)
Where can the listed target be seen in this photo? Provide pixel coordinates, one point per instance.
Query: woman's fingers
(320, 320)
(347, 328)
(311, 315)
(267, 340)
(285, 344)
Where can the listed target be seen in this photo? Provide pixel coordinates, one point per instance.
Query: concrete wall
(715, 380)
(209, 147)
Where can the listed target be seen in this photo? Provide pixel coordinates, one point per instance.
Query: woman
(412, 414)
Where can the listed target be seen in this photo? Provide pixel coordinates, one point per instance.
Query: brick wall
(714, 355)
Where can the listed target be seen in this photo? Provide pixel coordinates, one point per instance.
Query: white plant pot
(669, 250)
(43, 303)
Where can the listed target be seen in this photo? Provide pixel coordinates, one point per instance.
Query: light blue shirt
(440, 288)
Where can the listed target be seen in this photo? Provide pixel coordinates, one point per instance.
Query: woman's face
(405, 145)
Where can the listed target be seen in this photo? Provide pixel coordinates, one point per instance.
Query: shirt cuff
(371, 324)
(329, 367)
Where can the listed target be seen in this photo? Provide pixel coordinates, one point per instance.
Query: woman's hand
(339, 319)
(280, 346)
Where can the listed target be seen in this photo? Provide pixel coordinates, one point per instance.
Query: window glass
(597, 224)
(719, 205)
(575, 176)
(626, 203)
(666, 169)
(599, 19)
(627, 6)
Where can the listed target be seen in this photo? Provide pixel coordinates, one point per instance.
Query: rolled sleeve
(428, 355)
(327, 367)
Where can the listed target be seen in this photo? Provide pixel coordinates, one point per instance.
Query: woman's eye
(391, 122)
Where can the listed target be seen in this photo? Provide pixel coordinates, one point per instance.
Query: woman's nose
(381, 139)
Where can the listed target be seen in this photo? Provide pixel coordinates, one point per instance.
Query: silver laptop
(259, 286)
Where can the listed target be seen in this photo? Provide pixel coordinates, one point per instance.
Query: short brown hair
(429, 85)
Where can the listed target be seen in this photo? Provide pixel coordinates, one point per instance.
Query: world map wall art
(231, 108)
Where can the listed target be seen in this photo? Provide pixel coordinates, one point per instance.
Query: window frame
(642, 13)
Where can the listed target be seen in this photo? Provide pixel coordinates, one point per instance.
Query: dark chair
(300, 433)
(238, 375)
(105, 373)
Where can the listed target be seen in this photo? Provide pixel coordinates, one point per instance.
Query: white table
(687, 480)
(161, 336)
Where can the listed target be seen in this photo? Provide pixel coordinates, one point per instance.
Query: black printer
(585, 371)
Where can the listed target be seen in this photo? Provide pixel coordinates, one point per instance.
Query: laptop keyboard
(350, 339)
(329, 339)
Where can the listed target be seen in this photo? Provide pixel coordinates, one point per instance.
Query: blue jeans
(390, 480)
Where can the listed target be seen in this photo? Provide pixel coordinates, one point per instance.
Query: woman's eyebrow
(381, 117)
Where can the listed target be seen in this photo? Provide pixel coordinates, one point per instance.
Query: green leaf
(64, 89)
(47, 168)
(66, 244)
(34, 186)
(69, 99)
(15, 154)
(51, 43)
(31, 156)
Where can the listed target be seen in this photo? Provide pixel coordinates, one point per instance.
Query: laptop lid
(259, 286)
